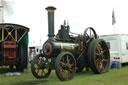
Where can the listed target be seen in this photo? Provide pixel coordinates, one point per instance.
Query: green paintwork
(25, 40)
(70, 47)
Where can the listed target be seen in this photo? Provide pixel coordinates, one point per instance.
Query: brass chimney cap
(50, 8)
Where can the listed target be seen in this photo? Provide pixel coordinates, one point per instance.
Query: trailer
(14, 45)
(118, 46)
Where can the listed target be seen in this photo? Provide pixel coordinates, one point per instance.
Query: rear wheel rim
(98, 56)
(101, 53)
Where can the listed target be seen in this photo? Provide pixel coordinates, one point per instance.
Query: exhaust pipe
(50, 10)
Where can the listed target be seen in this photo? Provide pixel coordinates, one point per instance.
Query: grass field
(113, 77)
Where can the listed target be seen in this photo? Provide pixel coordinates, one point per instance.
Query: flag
(113, 18)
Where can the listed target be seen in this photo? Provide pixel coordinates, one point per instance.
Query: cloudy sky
(80, 14)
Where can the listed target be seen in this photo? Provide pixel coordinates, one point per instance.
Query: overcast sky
(80, 14)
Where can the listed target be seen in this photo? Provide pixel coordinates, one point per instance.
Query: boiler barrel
(52, 48)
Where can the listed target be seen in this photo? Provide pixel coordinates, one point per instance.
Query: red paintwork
(50, 49)
(117, 58)
(9, 44)
(9, 51)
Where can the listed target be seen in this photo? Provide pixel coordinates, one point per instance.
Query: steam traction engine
(69, 52)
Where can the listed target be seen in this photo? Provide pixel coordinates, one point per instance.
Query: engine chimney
(50, 10)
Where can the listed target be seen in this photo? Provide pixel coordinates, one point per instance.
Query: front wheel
(40, 66)
(65, 66)
(98, 56)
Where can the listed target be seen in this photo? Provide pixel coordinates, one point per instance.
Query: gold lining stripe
(62, 48)
(73, 49)
(49, 10)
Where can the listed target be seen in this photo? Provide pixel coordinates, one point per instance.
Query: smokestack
(50, 10)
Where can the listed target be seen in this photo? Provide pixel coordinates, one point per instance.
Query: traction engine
(69, 52)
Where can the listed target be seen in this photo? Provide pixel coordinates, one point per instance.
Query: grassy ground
(113, 77)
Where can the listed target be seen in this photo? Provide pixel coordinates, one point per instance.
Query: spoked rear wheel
(98, 56)
(40, 67)
(65, 66)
